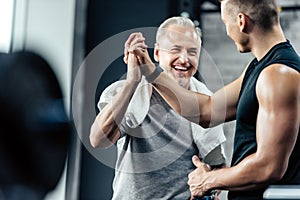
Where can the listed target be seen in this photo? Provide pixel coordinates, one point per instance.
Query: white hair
(181, 21)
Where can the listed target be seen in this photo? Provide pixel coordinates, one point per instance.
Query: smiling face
(178, 52)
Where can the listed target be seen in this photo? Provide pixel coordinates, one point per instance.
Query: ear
(156, 52)
(242, 22)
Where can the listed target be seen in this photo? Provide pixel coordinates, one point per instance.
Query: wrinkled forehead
(179, 35)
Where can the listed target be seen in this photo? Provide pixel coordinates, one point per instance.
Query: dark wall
(106, 18)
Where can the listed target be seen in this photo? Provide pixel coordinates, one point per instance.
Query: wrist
(146, 65)
(132, 83)
(154, 74)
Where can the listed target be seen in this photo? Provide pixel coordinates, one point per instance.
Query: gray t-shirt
(154, 159)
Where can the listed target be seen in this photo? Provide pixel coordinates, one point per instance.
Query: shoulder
(198, 86)
(278, 81)
(278, 75)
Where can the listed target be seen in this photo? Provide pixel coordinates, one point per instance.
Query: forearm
(208, 111)
(195, 107)
(105, 129)
(249, 174)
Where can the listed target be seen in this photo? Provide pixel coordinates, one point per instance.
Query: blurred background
(65, 33)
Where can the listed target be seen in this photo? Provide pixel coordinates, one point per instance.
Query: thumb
(196, 161)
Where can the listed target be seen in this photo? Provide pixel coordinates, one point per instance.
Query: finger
(196, 192)
(138, 49)
(131, 38)
(137, 44)
(196, 161)
(125, 59)
(137, 39)
(128, 43)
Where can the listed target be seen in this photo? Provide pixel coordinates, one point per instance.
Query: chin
(243, 47)
(183, 83)
(243, 50)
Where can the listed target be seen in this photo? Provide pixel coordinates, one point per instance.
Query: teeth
(180, 68)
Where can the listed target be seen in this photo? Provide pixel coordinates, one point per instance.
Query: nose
(183, 57)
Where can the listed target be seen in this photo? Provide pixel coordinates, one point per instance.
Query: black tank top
(247, 110)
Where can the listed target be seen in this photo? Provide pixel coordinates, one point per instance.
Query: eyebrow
(191, 48)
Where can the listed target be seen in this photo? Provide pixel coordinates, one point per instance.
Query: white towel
(205, 139)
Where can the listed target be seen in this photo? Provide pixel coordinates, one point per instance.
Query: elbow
(94, 141)
(205, 121)
(204, 124)
(99, 139)
(275, 174)
(94, 137)
(272, 174)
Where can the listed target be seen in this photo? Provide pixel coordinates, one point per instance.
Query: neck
(264, 41)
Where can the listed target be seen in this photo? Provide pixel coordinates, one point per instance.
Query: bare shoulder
(279, 69)
(278, 81)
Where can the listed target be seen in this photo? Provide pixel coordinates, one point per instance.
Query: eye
(193, 52)
(175, 50)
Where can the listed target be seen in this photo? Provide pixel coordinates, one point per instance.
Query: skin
(278, 119)
(178, 53)
(179, 57)
(105, 129)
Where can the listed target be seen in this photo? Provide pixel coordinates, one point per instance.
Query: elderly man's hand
(135, 44)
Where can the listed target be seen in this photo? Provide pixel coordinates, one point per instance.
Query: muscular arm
(208, 111)
(278, 121)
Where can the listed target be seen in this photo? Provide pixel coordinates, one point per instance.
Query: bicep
(278, 116)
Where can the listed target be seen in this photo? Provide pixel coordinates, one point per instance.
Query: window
(6, 24)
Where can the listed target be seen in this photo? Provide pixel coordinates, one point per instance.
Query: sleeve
(109, 93)
(138, 106)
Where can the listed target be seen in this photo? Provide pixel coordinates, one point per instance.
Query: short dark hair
(264, 13)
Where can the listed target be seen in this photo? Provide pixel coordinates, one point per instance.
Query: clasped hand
(136, 57)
